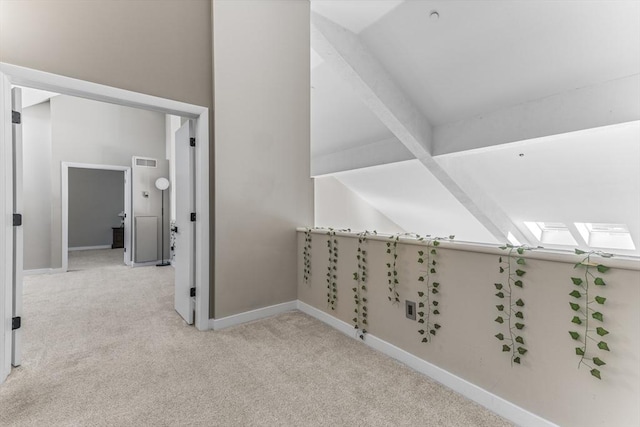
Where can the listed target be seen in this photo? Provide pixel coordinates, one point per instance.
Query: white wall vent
(145, 162)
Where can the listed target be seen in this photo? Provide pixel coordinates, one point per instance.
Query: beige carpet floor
(104, 347)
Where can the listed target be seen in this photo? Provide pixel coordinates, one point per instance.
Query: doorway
(96, 200)
(10, 74)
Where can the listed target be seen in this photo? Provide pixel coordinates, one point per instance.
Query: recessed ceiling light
(434, 15)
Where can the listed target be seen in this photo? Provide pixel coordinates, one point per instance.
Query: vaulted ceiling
(515, 111)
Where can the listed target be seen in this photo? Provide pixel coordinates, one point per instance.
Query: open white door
(16, 334)
(184, 244)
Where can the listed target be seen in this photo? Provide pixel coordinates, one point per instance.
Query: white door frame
(64, 199)
(13, 74)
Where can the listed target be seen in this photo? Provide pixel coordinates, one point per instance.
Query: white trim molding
(22, 76)
(38, 271)
(250, 316)
(89, 248)
(494, 403)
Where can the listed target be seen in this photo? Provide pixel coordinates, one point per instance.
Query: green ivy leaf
(519, 315)
(595, 373)
(601, 331)
(500, 295)
(520, 273)
(433, 252)
(520, 250)
(500, 307)
(421, 313)
(602, 268)
(576, 281)
(420, 304)
(498, 285)
(435, 325)
(579, 351)
(499, 259)
(518, 283)
(599, 282)
(434, 291)
(420, 253)
(436, 243)
(522, 350)
(436, 312)
(520, 261)
(432, 331)
(420, 260)
(419, 321)
(597, 315)
(420, 294)
(506, 347)
(579, 252)
(519, 325)
(603, 346)
(576, 320)
(576, 294)
(435, 303)
(501, 270)
(520, 303)
(421, 331)
(436, 284)
(574, 306)
(500, 336)
(516, 360)
(421, 279)
(520, 340)
(600, 300)
(598, 361)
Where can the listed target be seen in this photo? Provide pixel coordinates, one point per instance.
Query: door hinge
(16, 322)
(192, 142)
(16, 117)
(192, 292)
(17, 220)
(193, 216)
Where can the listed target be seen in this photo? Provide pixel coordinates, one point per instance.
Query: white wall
(262, 184)
(36, 146)
(338, 207)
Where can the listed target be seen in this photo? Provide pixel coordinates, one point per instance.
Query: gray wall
(85, 131)
(36, 147)
(96, 197)
(144, 180)
(263, 190)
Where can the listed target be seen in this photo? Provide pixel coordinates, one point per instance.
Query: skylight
(608, 236)
(552, 233)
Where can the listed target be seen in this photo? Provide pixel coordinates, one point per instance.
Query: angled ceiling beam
(348, 57)
(616, 101)
(376, 153)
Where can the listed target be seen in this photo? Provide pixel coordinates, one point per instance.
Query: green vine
(510, 307)
(584, 311)
(359, 291)
(332, 268)
(427, 303)
(392, 272)
(306, 253)
(332, 273)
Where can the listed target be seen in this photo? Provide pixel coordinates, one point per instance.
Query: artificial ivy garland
(510, 307)
(359, 291)
(584, 312)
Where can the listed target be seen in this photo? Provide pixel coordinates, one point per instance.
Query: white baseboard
(42, 271)
(249, 316)
(145, 264)
(89, 248)
(494, 403)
